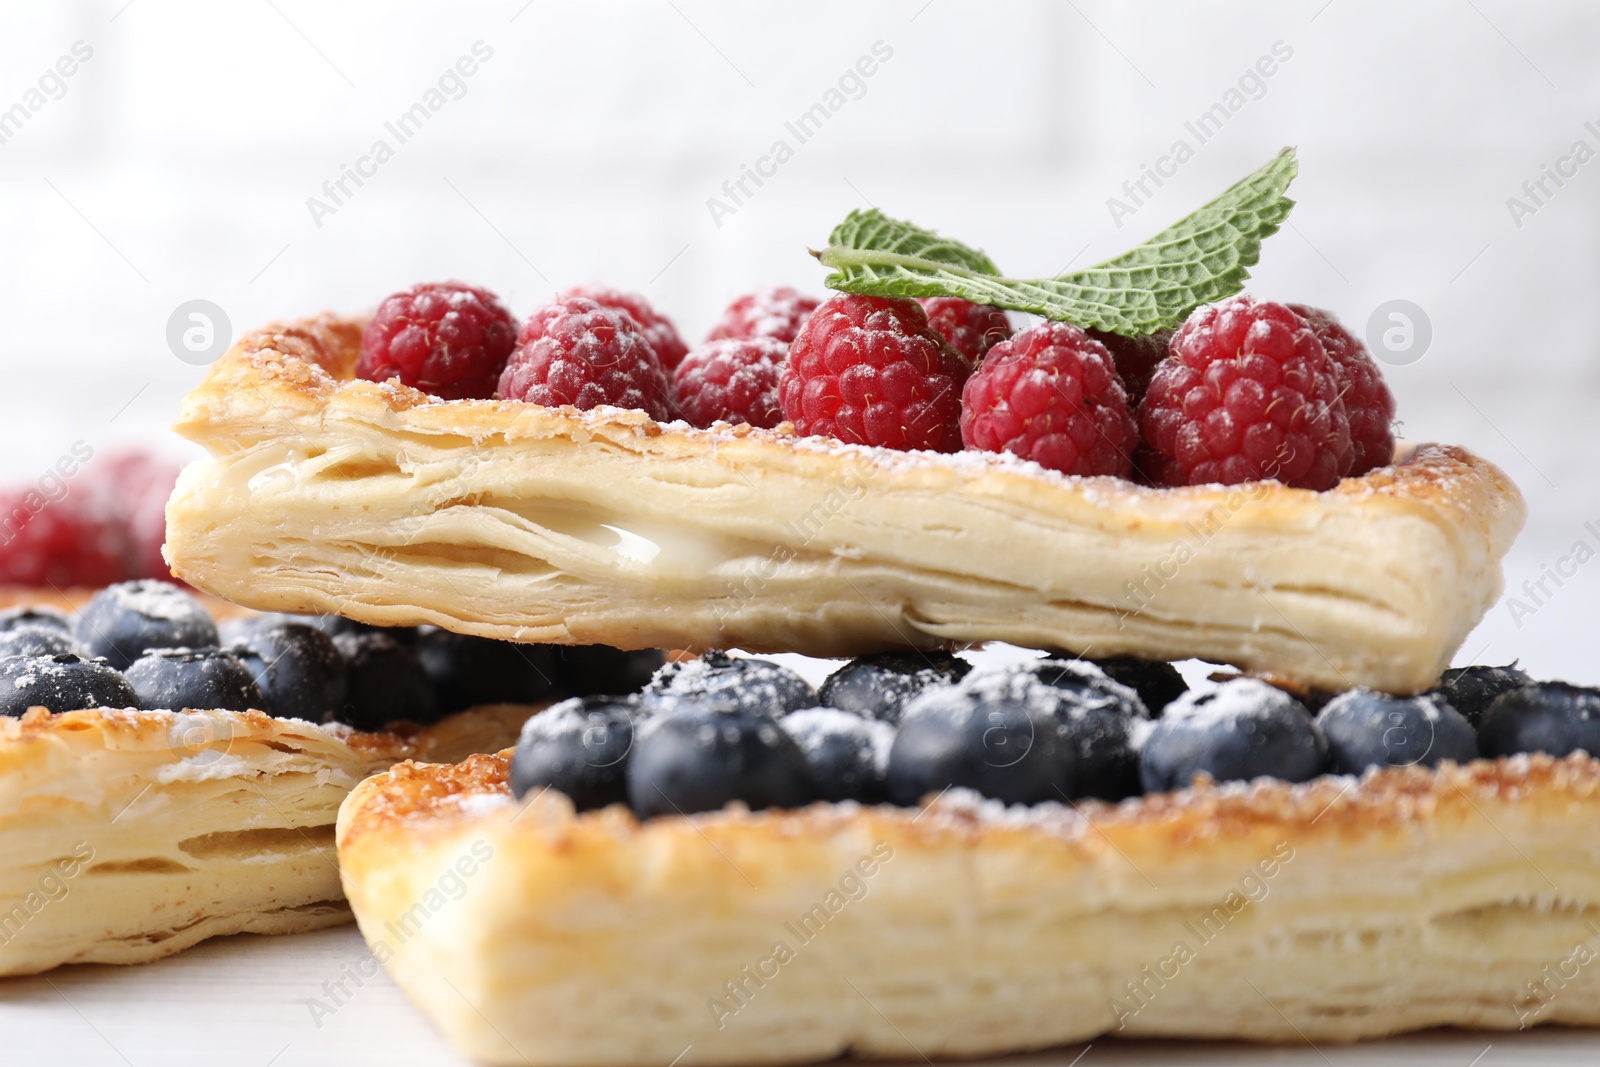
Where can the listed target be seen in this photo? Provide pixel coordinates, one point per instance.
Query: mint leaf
(1201, 259)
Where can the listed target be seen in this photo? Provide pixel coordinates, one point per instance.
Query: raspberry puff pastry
(510, 520)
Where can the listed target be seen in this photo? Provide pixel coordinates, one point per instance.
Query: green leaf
(1201, 259)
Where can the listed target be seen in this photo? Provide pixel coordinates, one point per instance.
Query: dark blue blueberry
(298, 667)
(697, 758)
(334, 625)
(600, 670)
(1367, 729)
(197, 679)
(1241, 730)
(49, 618)
(1470, 690)
(878, 686)
(848, 754)
(61, 683)
(121, 622)
(578, 747)
(999, 740)
(385, 683)
(1095, 716)
(468, 671)
(1551, 717)
(755, 685)
(1158, 684)
(38, 641)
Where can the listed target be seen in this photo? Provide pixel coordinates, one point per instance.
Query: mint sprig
(1201, 259)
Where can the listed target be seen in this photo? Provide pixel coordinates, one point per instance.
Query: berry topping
(777, 313)
(132, 487)
(1367, 401)
(1051, 395)
(585, 354)
(758, 686)
(601, 669)
(1551, 717)
(848, 756)
(470, 671)
(61, 683)
(658, 329)
(386, 683)
(334, 625)
(731, 381)
(38, 641)
(48, 618)
(65, 542)
(1158, 684)
(1136, 358)
(697, 758)
(578, 747)
(298, 667)
(972, 329)
(1470, 690)
(197, 679)
(1366, 729)
(1248, 393)
(869, 370)
(1241, 730)
(878, 686)
(121, 622)
(1094, 716)
(448, 339)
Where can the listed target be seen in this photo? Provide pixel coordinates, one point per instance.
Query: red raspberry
(733, 380)
(1366, 396)
(131, 488)
(1136, 358)
(765, 313)
(871, 371)
(1248, 393)
(448, 339)
(970, 328)
(1051, 394)
(59, 543)
(658, 329)
(578, 352)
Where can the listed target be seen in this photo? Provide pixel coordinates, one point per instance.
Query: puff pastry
(1326, 912)
(521, 522)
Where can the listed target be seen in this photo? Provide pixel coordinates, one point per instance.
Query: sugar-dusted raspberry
(1248, 393)
(869, 370)
(658, 329)
(448, 339)
(1366, 396)
(972, 329)
(575, 351)
(732, 380)
(58, 543)
(776, 313)
(1136, 358)
(1051, 394)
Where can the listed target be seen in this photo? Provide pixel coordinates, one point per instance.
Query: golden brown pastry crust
(516, 521)
(1332, 911)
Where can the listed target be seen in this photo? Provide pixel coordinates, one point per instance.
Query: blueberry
(756, 685)
(385, 683)
(879, 686)
(469, 671)
(334, 625)
(593, 670)
(61, 683)
(1551, 717)
(121, 622)
(1094, 716)
(49, 618)
(999, 740)
(848, 755)
(1241, 730)
(298, 667)
(1366, 729)
(1158, 684)
(697, 758)
(578, 747)
(198, 679)
(1470, 690)
(38, 641)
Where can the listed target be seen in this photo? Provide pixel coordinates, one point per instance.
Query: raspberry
(765, 313)
(1366, 396)
(732, 380)
(1247, 393)
(1136, 358)
(59, 543)
(1051, 394)
(871, 371)
(131, 488)
(658, 329)
(575, 351)
(970, 328)
(448, 339)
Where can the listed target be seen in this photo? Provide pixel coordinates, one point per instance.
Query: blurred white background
(176, 163)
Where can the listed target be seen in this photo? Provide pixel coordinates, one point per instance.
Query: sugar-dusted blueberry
(1470, 690)
(699, 758)
(1241, 730)
(1094, 715)
(385, 683)
(61, 683)
(334, 625)
(600, 670)
(579, 747)
(469, 671)
(1367, 729)
(201, 679)
(121, 622)
(878, 686)
(848, 754)
(756, 685)
(298, 667)
(36, 615)
(1158, 684)
(1551, 717)
(38, 641)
